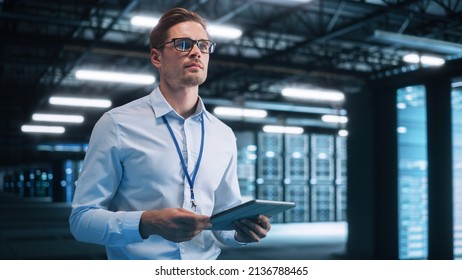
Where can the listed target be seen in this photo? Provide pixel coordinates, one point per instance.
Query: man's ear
(155, 58)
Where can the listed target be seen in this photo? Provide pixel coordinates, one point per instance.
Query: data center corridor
(36, 229)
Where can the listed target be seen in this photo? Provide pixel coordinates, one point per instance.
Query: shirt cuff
(131, 226)
(227, 237)
(239, 242)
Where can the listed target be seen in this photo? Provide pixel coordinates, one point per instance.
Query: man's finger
(264, 222)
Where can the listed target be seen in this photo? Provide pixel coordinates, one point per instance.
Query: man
(157, 168)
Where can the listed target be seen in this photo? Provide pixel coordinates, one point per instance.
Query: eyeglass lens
(186, 44)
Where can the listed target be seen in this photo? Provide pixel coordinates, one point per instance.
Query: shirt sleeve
(228, 195)
(90, 220)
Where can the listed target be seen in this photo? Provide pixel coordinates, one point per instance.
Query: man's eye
(184, 44)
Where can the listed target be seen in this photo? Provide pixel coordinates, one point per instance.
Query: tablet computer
(250, 209)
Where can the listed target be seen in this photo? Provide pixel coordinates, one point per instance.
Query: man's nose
(195, 51)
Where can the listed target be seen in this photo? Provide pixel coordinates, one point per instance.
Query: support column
(440, 185)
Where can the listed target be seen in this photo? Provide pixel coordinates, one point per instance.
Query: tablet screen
(251, 209)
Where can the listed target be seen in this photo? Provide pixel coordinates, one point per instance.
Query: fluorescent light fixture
(215, 30)
(313, 94)
(68, 148)
(456, 84)
(402, 129)
(282, 129)
(80, 102)
(144, 21)
(431, 60)
(343, 133)
(270, 154)
(46, 148)
(251, 156)
(297, 155)
(334, 119)
(251, 148)
(425, 60)
(239, 112)
(285, 2)
(223, 31)
(62, 148)
(401, 105)
(411, 58)
(43, 129)
(276, 106)
(58, 118)
(116, 77)
(416, 42)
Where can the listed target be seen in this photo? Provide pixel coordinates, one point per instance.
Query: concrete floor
(307, 241)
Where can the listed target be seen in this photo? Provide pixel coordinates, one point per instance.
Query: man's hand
(248, 230)
(174, 224)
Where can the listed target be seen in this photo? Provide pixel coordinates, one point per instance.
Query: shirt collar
(161, 106)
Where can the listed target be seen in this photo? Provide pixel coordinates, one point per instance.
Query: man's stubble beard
(192, 81)
(180, 79)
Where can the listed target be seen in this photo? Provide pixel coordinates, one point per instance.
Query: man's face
(183, 69)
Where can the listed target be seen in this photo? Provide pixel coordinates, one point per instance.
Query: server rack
(456, 97)
(297, 193)
(412, 173)
(29, 181)
(19, 182)
(71, 170)
(458, 212)
(309, 169)
(413, 217)
(246, 164)
(322, 178)
(296, 173)
(272, 191)
(270, 169)
(269, 159)
(341, 178)
(43, 181)
(6, 182)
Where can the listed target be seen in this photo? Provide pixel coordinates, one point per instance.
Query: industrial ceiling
(339, 45)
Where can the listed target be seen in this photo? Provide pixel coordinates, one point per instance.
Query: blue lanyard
(192, 178)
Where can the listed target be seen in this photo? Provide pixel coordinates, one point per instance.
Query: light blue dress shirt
(132, 165)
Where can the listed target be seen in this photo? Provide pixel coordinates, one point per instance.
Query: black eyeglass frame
(210, 49)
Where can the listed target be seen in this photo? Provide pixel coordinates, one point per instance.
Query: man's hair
(159, 33)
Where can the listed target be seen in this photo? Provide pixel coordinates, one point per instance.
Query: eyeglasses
(186, 45)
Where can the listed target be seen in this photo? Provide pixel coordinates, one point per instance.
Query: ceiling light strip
(43, 129)
(239, 112)
(58, 118)
(334, 119)
(115, 77)
(144, 21)
(416, 42)
(313, 94)
(425, 60)
(456, 84)
(80, 102)
(215, 30)
(222, 31)
(282, 129)
(275, 106)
